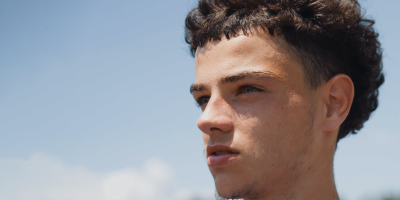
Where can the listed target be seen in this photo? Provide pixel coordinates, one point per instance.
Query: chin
(225, 184)
(230, 187)
(225, 192)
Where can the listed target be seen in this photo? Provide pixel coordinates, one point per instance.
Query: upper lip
(211, 150)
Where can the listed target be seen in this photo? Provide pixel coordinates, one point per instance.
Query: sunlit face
(257, 115)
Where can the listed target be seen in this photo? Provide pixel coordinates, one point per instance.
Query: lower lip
(219, 160)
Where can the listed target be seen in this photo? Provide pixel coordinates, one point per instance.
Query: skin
(256, 101)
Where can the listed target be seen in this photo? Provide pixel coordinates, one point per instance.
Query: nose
(216, 118)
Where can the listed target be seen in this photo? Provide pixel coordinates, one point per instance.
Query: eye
(248, 89)
(202, 101)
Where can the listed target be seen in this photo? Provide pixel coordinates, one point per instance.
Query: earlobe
(339, 91)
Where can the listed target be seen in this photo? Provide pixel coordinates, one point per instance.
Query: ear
(338, 97)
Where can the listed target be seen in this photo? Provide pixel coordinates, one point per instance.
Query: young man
(280, 83)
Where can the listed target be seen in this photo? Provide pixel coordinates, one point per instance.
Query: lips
(219, 155)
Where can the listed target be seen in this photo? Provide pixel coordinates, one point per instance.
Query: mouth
(220, 155)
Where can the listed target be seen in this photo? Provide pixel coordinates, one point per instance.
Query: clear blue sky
(97, 92)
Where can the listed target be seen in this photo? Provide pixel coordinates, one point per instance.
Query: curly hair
(328, 37)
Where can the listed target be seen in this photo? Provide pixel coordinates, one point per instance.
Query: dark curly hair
(328, 37)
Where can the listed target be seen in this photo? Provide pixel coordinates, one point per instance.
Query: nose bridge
(216, 106)
(216, 116)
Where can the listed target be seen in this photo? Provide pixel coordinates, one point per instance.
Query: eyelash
(254, 89)
(241, 90)
(199, 100)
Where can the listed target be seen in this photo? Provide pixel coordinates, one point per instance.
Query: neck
(317, 183)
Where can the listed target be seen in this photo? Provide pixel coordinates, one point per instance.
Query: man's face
(257, 119)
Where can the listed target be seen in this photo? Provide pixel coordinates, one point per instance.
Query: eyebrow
(196, 88)
(249, 75)
(237, 77)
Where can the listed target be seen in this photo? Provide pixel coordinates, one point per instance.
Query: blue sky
(97, 92)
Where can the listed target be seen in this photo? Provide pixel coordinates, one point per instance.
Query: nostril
(215, 129)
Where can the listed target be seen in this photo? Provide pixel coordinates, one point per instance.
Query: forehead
(256, 52)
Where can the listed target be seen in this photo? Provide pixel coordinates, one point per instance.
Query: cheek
(270, 114)
(283, 114)
(270, 126)
(261, 132)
